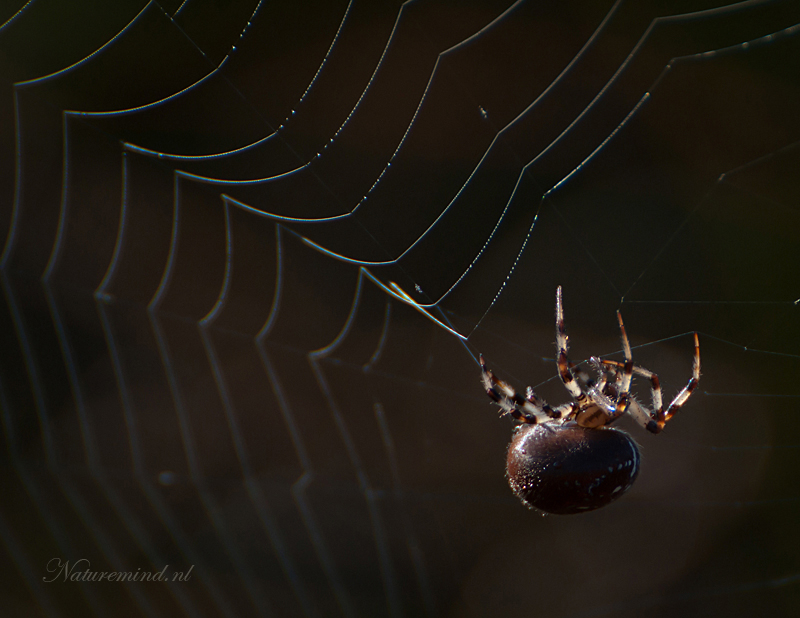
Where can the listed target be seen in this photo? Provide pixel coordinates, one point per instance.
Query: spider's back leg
(531, 411)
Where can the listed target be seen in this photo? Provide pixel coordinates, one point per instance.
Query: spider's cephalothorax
(568, 459)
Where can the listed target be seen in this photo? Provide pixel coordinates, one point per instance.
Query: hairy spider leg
(655, 385)
(684, 395)
(511, 402)
(623, 396)
(641, 416)
(562, 343)
(583, 375)
(658, 417)
(545, 407)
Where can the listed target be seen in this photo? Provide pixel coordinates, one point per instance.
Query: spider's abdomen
(565, 469)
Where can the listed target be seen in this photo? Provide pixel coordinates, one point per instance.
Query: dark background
(204, 365)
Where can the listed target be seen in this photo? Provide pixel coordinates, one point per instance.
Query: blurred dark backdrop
(205, 368)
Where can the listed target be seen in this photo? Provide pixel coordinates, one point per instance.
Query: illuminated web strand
(173, 249)
(495, 140)
(305, 164)
(180, 8)
(244, 183)
(219, 305)
(412, 542)
(763, 158)
(64, 540)
(143, 477)
(749, 349)
(499, 135)
(275, 217)
(97, 471)
(253, 145)
(255, 494)
(179, 157)
(63, 209)
(739, 48)
(215, 514)
(422, 100)
(100, 292)
(397, 292)
(298, 489)
(376, 355)
(632, 114)
(590, 106)
(216, 71)
(56, 74)
(255, 491)
(325, 59)
(379, 531)
(657, 22)
(371, 497)
(276, 298)
(16, 15)
(11, 236)
(140, 108)
(211, 508)
(508, 275)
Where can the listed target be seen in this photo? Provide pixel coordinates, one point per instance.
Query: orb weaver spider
(569, 459)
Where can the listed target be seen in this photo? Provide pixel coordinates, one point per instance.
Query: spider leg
(530, 411)
(658, 417)
(562, 343)
(544, 406)
(684, 395)
(655, 385)
(583, 376)
(641, 415)
(627, 375)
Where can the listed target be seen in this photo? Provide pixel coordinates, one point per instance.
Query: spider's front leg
(623, 397)
(682, 397)
(562, 343)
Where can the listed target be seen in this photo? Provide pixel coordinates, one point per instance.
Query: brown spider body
(568, 459)
(570, 469)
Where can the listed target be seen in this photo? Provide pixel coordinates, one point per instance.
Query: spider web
(252, 250)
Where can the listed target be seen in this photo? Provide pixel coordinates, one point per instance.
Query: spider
(569, 459)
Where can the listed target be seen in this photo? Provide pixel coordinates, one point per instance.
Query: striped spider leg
(657, 417)
(595, 407)
(530, 410)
